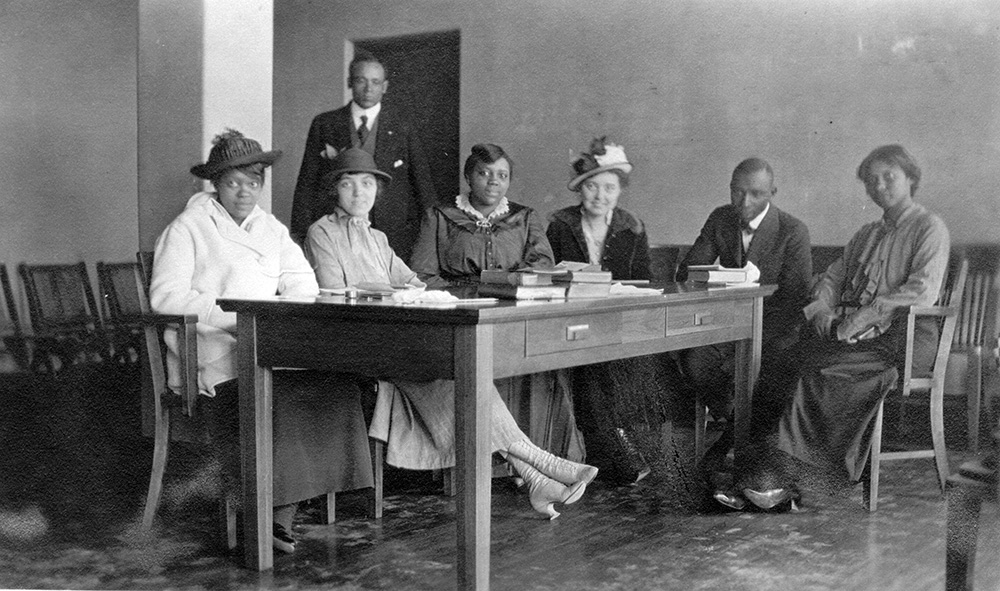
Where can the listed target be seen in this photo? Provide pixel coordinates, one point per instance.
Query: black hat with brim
(353, 160)
(232, 150)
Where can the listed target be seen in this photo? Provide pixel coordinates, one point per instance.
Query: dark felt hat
(353, 160)
(231, 149)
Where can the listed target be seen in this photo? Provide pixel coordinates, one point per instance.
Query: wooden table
(472, 344)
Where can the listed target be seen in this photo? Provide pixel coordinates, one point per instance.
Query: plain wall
(690, 88)
(68, 129)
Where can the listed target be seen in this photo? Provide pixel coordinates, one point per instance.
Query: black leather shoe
(632, 466)
(771, 498)
(730, 499)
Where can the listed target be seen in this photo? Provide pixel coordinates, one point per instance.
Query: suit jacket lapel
(765, 236)
(385, 139)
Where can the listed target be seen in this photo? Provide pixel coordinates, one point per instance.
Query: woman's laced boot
(554, 467)
(543, 491)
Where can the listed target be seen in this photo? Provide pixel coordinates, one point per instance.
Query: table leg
(747, 367)
(473, 358)
(256, 414)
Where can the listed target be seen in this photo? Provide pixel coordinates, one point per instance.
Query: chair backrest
(145, 260)
(977, 320)
(122, 290)
(10, 323)
(60, 298)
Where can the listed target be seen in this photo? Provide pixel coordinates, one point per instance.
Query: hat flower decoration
(602, 157)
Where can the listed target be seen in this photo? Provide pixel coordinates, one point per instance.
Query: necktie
(363, 130)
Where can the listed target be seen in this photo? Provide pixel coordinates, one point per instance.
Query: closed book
(583, 277)
(514, 277)
(717, 274)
(521, 292)
(588, 290)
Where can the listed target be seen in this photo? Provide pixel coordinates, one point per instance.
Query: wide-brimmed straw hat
(230, 149)
(353, 160)
(602, 157)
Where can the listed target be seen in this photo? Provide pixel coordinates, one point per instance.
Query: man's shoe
(283, 540)
(771, 498)
(730, 499)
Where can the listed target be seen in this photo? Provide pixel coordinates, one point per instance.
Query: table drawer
(700, 317)
(551, 335)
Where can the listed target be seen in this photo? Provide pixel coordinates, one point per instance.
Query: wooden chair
(184, 424)
(15, 343)
(122, 309)
(64, 315)
(165, 402)
(977, 327)
(946, 311)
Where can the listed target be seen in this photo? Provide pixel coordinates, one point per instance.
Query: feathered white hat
(601, 158)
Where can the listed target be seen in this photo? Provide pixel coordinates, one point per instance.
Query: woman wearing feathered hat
(417, 419)
(598, 232)
(223, 245)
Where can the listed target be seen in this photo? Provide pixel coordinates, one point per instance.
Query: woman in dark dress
(484, 230)
(615, 399)
(825, 405)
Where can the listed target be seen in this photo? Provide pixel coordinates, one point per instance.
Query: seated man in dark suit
(750, 229)
(382, 131)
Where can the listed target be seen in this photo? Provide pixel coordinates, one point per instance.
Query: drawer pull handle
(577, 332)
(702, 318)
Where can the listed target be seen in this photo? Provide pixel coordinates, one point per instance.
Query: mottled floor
(73, 478)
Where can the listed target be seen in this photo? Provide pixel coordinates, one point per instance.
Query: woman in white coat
(223, 245)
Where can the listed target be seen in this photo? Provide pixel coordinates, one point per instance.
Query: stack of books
(719, 275)
(519, 285)
(585, 283)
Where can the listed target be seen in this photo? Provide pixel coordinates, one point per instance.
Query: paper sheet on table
(421, 295)
(620, 289)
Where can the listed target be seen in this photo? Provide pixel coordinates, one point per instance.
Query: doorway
(424, 74)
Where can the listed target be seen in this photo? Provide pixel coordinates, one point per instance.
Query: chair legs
(227, 508)
(937, 435)
(161, 442)
(974, 398)
(329, 513)
(874, 461)
(377, 451)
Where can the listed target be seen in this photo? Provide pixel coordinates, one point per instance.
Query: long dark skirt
(828, 397)
(625, 393)
(320, 439)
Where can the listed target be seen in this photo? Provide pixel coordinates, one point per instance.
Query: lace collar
(462, 202)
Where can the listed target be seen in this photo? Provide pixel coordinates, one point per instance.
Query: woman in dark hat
(612, 400)
(417, 419)
(223, 245)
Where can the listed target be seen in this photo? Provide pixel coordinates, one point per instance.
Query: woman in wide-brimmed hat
(223, 245)
(417, 419)
(612, 400)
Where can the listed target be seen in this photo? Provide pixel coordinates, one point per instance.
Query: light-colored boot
(545, 492)
(554, 467)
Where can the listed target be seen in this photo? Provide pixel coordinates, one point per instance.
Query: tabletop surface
(387, 311)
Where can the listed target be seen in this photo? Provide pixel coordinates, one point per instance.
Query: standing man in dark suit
(750, 229)
(382, 131)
